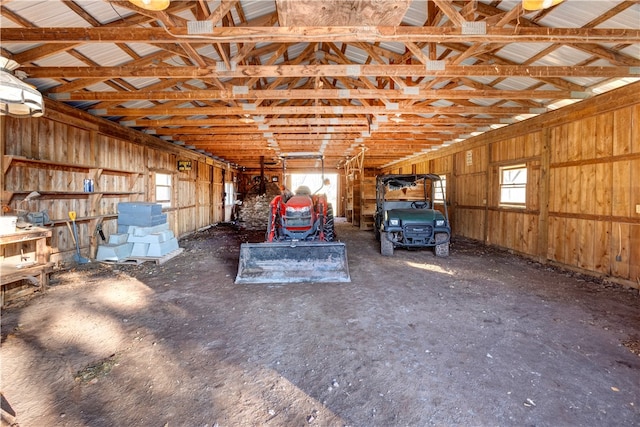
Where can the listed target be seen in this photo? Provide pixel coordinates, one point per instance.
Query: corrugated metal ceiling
(569, 14)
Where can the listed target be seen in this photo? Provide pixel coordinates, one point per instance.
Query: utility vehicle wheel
(376, 232)
(329, 226)
(386, 245)
(442, 249)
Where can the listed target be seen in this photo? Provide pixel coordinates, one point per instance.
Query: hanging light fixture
(397, 118)
(155, 5)
(539, 4)
(246, 118)
(17, 98)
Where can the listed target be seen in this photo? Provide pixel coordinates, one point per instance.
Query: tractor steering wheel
(419, 205)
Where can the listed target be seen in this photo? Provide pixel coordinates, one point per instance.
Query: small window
(163, 189)
(441, 190)
(229, 194)
(513, 185)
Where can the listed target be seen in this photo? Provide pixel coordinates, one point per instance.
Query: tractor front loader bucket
(293, 262)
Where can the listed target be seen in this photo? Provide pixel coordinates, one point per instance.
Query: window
(441, 191)
(229, 194)
(513, 185)
(163, 189)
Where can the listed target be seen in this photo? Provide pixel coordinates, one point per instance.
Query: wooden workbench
(35, 269)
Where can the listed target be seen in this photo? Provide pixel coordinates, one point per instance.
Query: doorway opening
(314, 182)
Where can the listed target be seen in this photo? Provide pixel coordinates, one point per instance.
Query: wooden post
(224, 193)
(263, 186)
(488, 185)
(543, 202)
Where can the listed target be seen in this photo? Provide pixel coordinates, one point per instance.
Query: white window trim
(440, 198)
(164, 203)
(522, 186)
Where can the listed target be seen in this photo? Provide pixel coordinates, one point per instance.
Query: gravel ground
(479, 338)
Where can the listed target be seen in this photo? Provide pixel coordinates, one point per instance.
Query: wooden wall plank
(603, 188)
(620, 249)
(559, 144)
(634, 188)
(604, 135)
(588, 133)
(23, 132)
(570, 239)
(588, 187)
(621, 196)
(533, 144)
(634, 253)
(622, 131)
(533, 232)
(602, 247)
(554, 189)
(573, 141)
(534, 178)
(441, 165)
(573, 189)
(471, 223)
(635, 129)
(553, 228)
(586, 244)
(46, 140)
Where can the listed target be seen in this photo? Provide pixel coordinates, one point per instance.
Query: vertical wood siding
(68, 150)
(583, 187)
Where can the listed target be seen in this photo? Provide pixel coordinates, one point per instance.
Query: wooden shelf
(85, 219)
(111, 185)
(7, 196)
(10, 160)
(34, 233)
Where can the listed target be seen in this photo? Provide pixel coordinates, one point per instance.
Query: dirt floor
(479, 338)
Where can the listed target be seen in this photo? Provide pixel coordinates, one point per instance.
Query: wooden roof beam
(344, 70)
(446, 6)
(311, 110)
(160, 94)
(519, 34)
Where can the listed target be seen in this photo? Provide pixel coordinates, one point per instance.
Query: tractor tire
(386, 245)
(442, 249)
(329, 225)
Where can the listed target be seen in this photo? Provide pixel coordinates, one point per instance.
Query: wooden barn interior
(203, 99)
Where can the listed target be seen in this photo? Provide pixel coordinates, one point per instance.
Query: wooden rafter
(315, 34)
(242, 85)
(345, 70)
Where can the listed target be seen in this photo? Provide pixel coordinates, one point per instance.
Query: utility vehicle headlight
(394, 222)
(440, 223)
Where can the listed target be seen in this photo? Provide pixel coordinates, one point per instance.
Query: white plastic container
(8, 224)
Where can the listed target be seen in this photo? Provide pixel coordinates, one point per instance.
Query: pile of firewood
(254, 211)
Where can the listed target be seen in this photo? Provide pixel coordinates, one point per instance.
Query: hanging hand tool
(100, 232)
(77, 257)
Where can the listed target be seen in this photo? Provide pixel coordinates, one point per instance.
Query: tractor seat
(303, 190)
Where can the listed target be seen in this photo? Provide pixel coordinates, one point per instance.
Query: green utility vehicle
(411, 212)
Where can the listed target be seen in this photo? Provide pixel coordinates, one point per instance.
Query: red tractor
(301, 217)
(300, 244)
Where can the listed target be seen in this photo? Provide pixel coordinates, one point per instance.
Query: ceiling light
(246, 119)
(539, 4)
(17, 98)
(396, 118)
(155, 5)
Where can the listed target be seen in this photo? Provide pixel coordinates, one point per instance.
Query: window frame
(166, 204)
(502, 186)
(443, 195)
